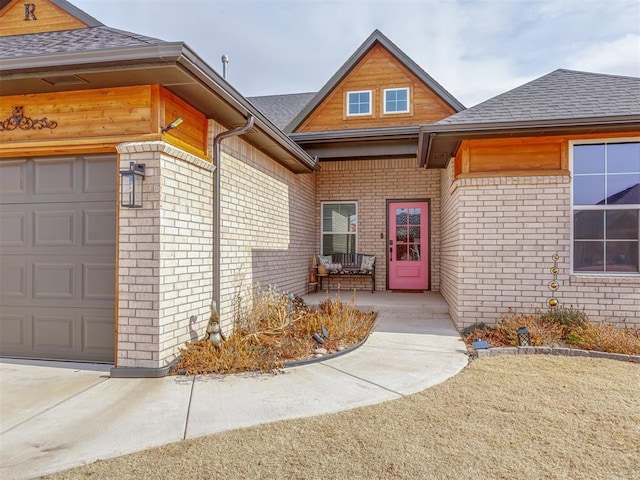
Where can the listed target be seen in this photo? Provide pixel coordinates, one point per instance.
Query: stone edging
(567, 352)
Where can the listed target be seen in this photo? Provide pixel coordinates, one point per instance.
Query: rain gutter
(215, 215)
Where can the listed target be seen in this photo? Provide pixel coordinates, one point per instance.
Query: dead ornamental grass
(274, 331)
(515, 417)
(564, 327)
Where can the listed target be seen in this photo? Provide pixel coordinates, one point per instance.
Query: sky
(475, 49)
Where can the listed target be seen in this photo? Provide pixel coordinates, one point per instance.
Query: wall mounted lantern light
(131, 185)
(172, 125)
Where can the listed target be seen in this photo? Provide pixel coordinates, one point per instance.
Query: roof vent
(65, 80)
(225, 62)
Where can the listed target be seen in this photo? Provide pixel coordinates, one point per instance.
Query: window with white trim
(396, 100)
(359, 103)
(606, 207)
(339, 227)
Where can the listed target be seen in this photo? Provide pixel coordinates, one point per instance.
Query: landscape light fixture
(131, 185)
(524, 338)
(172, 125)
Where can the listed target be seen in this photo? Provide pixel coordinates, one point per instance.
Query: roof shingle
(68, 41)
(281, 109)
(562, 94)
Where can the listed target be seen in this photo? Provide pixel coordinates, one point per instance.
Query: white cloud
(620, 56)
(475, 49)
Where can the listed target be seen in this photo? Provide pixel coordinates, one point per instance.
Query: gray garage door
(57, 257)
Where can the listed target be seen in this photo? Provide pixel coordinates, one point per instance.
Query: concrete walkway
(55, 416)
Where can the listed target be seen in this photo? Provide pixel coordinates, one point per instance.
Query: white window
(396, 100)
(606, 207)
(339, 227)
(359, 103)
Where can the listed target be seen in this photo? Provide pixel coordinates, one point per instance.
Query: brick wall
(499, 238)
(268, 228)
(164, 258)
(450, 243)
(371, 183)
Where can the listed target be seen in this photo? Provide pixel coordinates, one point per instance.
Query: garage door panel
(54, 228)
(99, 227)
(57, 333)
(57, 257)
(100, 175)
(51, 176)
(98, 334)
(76, 281)
(54, 332)
(13, 178)
(13, 330)
(13, 280)
(98, 281)
(54, 280)
(13, 229)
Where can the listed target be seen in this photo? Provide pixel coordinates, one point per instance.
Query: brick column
(164, 259)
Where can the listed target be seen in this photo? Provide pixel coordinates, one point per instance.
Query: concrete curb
(564, 351)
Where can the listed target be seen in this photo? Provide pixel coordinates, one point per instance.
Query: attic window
(359, 103)
(396, 100)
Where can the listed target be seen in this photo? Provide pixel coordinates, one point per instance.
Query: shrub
(542, 331)
(271, 330)
(605, 338)
(564, 326)
(567, 317)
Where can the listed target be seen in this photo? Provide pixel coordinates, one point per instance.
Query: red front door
(408, 246)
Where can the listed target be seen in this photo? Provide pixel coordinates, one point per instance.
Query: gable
(18, 17)
(378, 70)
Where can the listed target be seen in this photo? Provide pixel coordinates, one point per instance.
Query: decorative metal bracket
(18, 120)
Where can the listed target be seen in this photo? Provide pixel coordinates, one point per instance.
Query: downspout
(215, 247)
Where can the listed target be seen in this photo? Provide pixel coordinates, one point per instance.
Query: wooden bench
(350, 266)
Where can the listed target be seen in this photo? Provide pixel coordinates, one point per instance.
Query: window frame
(598, 208)
(384, 101)
(360, 114)
(322, 231)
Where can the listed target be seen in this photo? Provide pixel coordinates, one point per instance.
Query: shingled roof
(281, 109)
(562, 94)
(69, 41)
(99, 57)
(564, 101)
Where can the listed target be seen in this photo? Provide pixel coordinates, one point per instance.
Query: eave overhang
(172, 65)
(390, 142)
(440, 142)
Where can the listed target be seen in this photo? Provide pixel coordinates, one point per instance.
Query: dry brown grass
(272, 330)
(564, 327)
(524, 417)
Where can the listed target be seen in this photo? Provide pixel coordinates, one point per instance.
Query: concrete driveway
(55, 416)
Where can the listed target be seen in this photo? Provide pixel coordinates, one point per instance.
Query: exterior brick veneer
(164, 256)
(498, 237)
(371, 183)
(268, 229)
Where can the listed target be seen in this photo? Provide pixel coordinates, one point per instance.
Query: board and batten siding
(377, 71)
